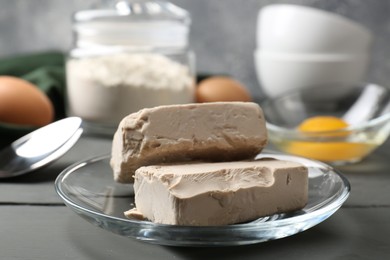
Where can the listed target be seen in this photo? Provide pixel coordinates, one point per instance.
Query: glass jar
(129, 56)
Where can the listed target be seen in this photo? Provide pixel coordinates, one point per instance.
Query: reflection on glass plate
(88, 188)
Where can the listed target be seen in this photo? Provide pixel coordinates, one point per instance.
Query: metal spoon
(39, 147)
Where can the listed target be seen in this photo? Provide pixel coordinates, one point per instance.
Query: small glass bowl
(365, 108)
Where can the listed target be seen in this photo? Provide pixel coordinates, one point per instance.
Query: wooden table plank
(38, 186)
(37, 232)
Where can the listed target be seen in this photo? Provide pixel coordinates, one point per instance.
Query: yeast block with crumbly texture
(214, 194)
(220, 131)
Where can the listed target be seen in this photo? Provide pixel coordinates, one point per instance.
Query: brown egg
(221, 88)
(23, 103)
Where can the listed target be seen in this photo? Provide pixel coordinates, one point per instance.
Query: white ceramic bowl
(302, 29)
(280, 73)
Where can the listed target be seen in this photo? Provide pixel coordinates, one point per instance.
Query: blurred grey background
(222, 36)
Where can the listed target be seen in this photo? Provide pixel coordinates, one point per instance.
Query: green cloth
(45, 70)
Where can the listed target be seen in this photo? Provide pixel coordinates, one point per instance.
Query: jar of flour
(127, 57)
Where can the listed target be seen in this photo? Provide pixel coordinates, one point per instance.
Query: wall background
(222, 36)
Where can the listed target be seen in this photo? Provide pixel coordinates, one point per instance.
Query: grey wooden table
(35, 224)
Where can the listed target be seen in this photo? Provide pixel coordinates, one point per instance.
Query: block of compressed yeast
(214, 194)
(221, 131)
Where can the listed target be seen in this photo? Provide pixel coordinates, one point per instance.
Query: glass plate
(88, 188)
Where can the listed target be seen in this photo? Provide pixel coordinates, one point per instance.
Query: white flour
(105, 89)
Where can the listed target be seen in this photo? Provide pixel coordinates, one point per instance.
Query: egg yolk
(322, 123)
(327, 150)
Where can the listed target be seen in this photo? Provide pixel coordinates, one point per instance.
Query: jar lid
(133, 23)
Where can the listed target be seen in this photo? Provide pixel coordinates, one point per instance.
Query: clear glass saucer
(88, 188)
